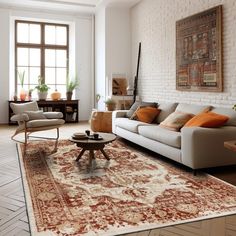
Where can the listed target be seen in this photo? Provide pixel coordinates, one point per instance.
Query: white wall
(153, 23)
(118, 38)
(113, 51)
(4, 65)
(100, 50)
(83, 62)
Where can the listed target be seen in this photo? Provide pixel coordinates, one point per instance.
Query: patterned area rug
(131, 192)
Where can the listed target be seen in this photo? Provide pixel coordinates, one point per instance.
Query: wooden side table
(231, 145)
(101, 121)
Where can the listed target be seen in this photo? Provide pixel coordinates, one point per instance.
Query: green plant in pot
(110, 104)
(71, 84)
(42, 89)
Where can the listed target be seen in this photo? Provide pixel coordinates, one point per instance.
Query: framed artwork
(199, 52)
(119, 86)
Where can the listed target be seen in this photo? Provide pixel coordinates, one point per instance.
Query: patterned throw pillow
(135, 106)
(176, 120)
(207, 120)
(145, 114)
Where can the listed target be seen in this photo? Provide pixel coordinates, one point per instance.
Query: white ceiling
(88, 6)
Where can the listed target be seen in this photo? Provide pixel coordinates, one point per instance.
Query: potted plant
(71, 84)
(42, 89)
(21, 76)
(110, 104)
(30, 94)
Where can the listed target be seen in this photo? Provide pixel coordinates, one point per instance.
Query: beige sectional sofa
(195, 147)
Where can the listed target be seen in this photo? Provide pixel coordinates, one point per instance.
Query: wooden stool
(101, 121)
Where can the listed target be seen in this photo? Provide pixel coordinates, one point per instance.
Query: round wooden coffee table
(92, 144)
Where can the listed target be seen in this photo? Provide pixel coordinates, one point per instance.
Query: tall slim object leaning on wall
(136, 76)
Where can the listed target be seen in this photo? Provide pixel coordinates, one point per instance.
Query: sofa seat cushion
(130, 125)
(43, 123)
(161, 135)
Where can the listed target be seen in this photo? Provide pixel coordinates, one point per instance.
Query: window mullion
(43, 52)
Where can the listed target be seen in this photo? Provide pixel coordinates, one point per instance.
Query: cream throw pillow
(176, 120)
(35, 115)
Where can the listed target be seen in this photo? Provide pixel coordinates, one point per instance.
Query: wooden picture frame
(199, 52)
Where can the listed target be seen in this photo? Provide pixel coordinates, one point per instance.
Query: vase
(56, 95)
(23, 94)
(69, 95)
(42, 95)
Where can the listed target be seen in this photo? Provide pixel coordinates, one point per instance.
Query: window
(41, 50)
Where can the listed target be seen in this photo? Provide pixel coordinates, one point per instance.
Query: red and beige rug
(131, 192)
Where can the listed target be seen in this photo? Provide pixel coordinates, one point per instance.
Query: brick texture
(153, 24)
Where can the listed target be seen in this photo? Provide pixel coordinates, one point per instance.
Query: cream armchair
(30, 119)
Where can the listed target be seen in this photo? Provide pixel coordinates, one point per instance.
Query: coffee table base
(91, 152)
(91, 145)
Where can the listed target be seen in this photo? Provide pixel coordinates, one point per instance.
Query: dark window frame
(42, 46)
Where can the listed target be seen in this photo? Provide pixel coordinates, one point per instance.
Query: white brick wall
(153, 24)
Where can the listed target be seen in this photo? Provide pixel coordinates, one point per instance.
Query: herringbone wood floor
(13, 216)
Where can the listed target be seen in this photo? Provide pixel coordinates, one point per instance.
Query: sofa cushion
(145, 114)
(160, 134)
(166, 109)
(176, 120)
(130, 125)
(227, 112)
(207, 120)
(137, 104)
(192, 108)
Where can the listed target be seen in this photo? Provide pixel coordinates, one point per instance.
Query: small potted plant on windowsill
(42, 89)
(71, 84)
(110, 104)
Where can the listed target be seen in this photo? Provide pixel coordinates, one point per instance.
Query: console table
(69, 108)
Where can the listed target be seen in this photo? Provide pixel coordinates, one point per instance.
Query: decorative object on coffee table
(199, 52)
(92, 144)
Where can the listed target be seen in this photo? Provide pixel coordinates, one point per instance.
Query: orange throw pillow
(146, 114)
(207, 120)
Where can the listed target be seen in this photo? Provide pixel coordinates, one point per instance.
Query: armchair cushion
(35, 115)
(20, 108)
(44, 123)
(53, 115)
(20, 117)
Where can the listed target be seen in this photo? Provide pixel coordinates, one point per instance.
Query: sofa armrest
(20, 117)
(117, 114)
(53, 115)
(204, 147)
